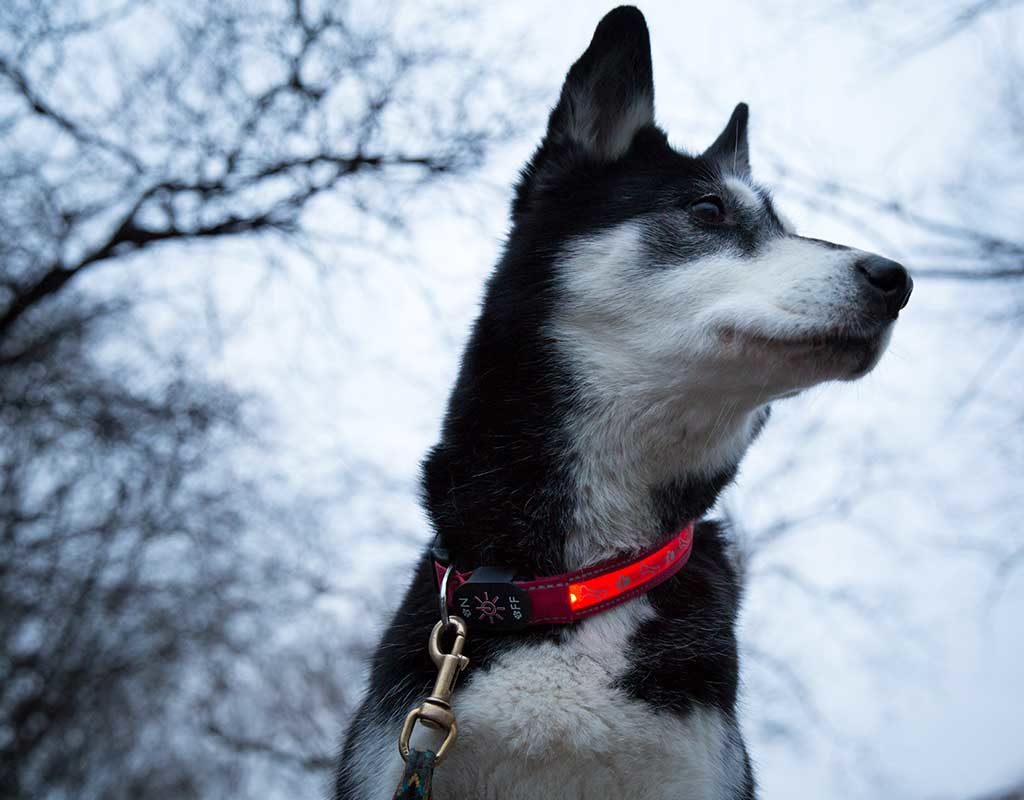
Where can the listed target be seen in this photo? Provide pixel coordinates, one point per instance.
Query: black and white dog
(647, 308)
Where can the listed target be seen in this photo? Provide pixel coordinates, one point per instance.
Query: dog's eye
(709, 209)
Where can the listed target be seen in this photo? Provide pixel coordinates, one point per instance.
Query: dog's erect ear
(730, 148)
(609, 92)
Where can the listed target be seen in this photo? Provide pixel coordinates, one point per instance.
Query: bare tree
(152, 581)
(234, 125)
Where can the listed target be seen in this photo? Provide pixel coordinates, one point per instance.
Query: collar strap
(487, 598)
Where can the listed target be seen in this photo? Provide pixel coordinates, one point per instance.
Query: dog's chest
(547, 721)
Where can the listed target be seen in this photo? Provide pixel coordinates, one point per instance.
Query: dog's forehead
(688, 176)
(743, 193)
(756, 201)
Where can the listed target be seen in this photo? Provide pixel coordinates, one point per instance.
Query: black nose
(889, 279)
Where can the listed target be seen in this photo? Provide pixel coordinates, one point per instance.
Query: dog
(647, 309)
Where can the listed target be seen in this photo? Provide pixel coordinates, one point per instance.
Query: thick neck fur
(540, 472)
(643, 465)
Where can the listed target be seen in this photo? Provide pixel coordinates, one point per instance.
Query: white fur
(545, 722)
(669, 385)
(749, 197)
(787, 223)
(744, 193)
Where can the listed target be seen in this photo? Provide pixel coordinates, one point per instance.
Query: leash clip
(436, 710)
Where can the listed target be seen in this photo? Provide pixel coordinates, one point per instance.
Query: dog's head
(676, 270)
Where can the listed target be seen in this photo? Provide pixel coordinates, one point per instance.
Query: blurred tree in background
(147, 573)
(963, 241)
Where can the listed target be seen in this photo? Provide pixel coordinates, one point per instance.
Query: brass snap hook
(436, 710)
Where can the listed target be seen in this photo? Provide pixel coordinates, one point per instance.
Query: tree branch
(44, 109)
(241, 744)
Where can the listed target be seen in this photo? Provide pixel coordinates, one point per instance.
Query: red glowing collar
(488, 598)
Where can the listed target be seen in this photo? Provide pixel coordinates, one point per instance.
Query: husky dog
(647, 308)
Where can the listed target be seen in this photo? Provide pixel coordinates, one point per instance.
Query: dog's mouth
(824, 340)
(858, 351)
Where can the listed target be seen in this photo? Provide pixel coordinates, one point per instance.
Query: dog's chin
(824, 355)
(868, 355)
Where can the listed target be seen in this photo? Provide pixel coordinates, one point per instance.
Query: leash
(488, 598)
(435, 712)
(418, 775)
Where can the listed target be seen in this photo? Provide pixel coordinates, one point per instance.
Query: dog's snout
(889, 279)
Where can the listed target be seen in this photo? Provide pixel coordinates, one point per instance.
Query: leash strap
(418, 775)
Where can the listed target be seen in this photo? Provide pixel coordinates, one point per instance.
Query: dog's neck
(643, 466)
(521, 480)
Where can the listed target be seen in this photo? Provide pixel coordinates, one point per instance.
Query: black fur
(496, 486)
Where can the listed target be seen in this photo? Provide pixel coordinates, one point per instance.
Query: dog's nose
(889, 279)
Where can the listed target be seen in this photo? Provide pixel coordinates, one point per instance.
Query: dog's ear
(608, 94)
(730, 149)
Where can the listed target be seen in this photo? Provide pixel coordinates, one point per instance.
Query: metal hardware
(490, 602)
(442, 597)
(436, 711)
